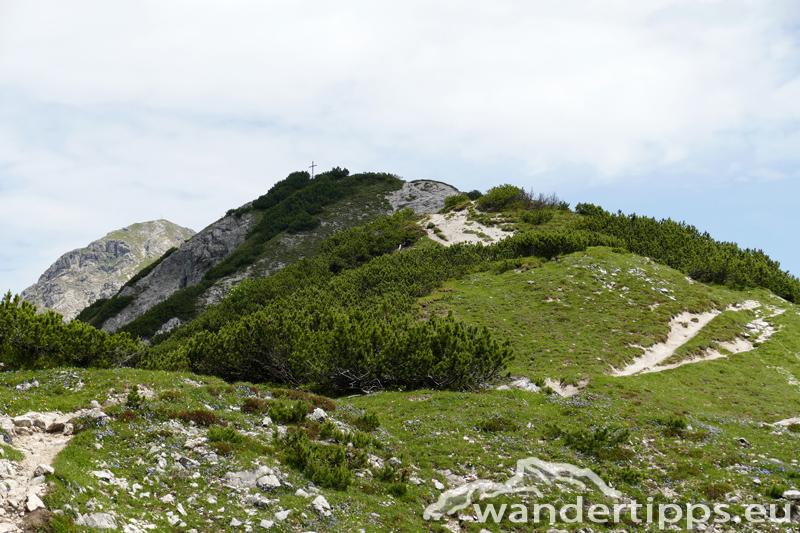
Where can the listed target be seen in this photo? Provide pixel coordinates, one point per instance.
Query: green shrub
(134, 400)
(398, 489)
(552, 431)
(775, 491)
(288, 413)
(591, 442)
(504, 197)
(368, 422)
(387, 474)
(457, 202)
(31, 340)
(630, 476)
(169, 396)
(326, 404)
(227, 434)
(683, 247)
(325, 466)
(537, 218)
(474, 194)
(674, 425)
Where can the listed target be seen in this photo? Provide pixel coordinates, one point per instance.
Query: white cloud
(124, 111)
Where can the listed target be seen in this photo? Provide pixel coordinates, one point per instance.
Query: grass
(570, 319)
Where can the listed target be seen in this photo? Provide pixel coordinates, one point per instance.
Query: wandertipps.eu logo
(533, 473)
(530, 473)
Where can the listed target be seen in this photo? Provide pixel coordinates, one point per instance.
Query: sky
(113, 113)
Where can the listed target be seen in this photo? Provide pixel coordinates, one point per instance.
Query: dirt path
(685, 326)
(456, 228)
(20, 482)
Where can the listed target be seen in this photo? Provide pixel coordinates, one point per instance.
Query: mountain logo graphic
(530, 472)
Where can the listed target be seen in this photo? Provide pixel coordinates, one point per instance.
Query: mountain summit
(80, 277)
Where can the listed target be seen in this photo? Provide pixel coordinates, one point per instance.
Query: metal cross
(312, 169)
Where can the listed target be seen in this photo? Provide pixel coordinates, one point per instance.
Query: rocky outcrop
(187, 266)
(183, 268)
(423, 196)
(80, 277)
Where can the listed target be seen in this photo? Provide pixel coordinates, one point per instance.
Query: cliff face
(187, 266)
(80, 277)
(183, 268)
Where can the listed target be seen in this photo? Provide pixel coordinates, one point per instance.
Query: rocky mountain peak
(82, 276)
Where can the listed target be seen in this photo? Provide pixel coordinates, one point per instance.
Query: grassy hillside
(384, 362)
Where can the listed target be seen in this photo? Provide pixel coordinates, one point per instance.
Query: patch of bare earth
(457, 228)
(686, 326)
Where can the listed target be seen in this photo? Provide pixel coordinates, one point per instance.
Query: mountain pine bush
(30, 340)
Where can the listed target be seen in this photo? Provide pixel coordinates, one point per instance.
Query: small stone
(282, 515)
(321, 506)
(169, 498)
(268, 482)
(302, 493)
(266, 524)
(181, 510)
(438, 484)
(43, 470)
(33, 502)
(235, 523)
(792, 495)
(266, 422)
(318, 415)
(743, 442)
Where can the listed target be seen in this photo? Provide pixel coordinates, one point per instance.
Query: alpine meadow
(354, 352)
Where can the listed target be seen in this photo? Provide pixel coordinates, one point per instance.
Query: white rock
(321, 505)
(792, 495)
(438, 484)
(268, 482)
(181, 510)
(33, 502)
(266, 524)
(169, 498)
(282, 515)
(318, 415)
(43, 470)
(267, 421)
(235, 523)
(100, 520)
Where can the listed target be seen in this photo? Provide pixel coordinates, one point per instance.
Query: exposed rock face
(183, 268)
(80, 277)
(423, 196)
(188, 265)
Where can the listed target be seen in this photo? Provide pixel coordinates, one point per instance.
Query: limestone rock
(183, 268)
(80, 277)
(423, 196)
(322, 506)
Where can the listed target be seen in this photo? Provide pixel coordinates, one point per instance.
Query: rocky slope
(80, 277)
(183, 268)
(187, 266)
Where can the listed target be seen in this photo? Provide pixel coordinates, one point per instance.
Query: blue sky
(115, 113)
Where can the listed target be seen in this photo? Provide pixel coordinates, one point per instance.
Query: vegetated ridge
(388, 382)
